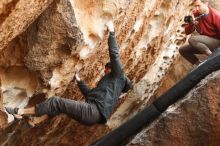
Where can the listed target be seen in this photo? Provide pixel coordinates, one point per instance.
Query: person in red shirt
(206, 22)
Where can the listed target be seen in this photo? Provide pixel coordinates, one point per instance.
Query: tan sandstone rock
(44, 42)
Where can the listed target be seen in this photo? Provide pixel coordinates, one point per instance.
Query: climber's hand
(110, 26)
(77, 77)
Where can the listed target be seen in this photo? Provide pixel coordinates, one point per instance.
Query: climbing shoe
(14, 112)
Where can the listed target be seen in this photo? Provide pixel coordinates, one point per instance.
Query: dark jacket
(110, 87)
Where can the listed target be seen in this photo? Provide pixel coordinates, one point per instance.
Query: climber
(100, 100)
(206, 23)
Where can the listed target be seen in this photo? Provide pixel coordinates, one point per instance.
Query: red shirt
(208, 25)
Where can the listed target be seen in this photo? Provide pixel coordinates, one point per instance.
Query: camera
(188, 19)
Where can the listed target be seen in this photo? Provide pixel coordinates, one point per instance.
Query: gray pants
(86, 113)
(198, 44)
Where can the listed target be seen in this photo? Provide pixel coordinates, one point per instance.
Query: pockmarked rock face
(12, 20)
(95, 15)
(215, 4)
(51, 39)
(43, 44)
(3, 116)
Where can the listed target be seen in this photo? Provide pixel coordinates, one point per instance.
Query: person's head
(108, 67)
(201, 6)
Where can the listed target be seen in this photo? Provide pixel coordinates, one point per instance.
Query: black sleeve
(128, 85)
(117, 68)
(83, 88)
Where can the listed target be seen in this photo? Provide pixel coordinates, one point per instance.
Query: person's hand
(110, 26)
(184, 24)
(196, 22)
(77, 77)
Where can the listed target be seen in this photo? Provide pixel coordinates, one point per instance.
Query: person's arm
(128, 85)
(189, 28)
(117, 68)
(82, 86)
